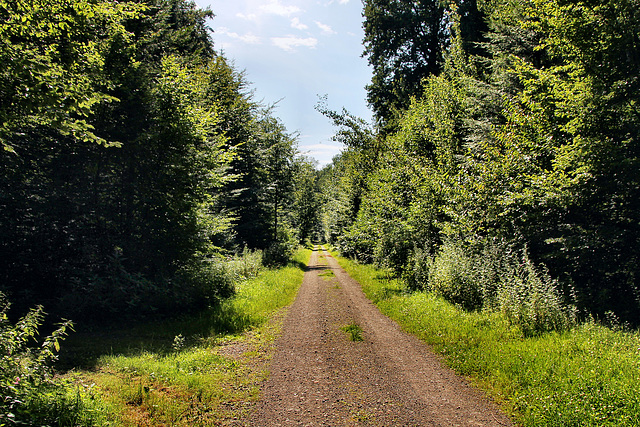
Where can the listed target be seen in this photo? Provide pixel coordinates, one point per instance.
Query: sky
(293, 52)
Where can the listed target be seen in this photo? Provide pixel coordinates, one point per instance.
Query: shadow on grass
(83, 348)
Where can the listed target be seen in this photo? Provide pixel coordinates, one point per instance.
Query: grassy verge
(587, 376)
(196, 371)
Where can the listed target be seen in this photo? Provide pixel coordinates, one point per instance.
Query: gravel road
(320, 377)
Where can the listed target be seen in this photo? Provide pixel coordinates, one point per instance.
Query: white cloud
(289, 43)
(326, 29)
(276, 8)
(295, 23)
(248, 38)
(249, 17)
(324, 153)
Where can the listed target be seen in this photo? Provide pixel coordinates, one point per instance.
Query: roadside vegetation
(198, 370)
(504, 144)
(142, 187)
(584, 375)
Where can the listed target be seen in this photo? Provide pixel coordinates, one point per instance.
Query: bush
(416, 274)
(451, 275)
(529, 298)
(117, 294)
(280, 252)
(246, 264)
(393, 249)
(357, 245)
(29, 392)
(493, 262)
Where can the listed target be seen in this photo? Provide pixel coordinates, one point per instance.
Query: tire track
(321, 378)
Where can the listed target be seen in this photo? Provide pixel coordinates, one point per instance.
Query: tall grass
(588, 375)
(497, 277)
(178, 373)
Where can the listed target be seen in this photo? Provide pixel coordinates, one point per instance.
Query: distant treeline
(503, 167)
(133, 158)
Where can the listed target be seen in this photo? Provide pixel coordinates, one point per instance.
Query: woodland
(134, 160)
(501, 171)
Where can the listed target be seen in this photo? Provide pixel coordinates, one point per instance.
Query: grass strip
(203, 370)
(588, 376)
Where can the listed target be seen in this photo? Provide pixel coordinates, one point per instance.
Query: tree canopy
(133, 157)
(517, 136)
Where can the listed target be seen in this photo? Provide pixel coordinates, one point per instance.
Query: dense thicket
(511, 181)
(133, 157)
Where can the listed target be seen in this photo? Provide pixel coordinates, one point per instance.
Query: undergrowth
(199, 370)
(587, 375)
(30, 393)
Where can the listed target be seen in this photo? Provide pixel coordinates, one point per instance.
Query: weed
(354, 332)
(31, 394)
(327, 274)
(362, 416)
(178, 343)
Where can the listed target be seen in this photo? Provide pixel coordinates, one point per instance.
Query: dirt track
(319, 377)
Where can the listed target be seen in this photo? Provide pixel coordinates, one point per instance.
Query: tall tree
(53, 56)
(404, 41)
(98, 231)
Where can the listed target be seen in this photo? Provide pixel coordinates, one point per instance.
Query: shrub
(117, 294)
(416, 274)
(493, 262)
(356, 245)
(29, 392)
(246, 264)
(530, 299)
(393, 249)
(451, 275)
(280, 252)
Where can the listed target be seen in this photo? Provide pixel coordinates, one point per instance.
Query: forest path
(319, 377)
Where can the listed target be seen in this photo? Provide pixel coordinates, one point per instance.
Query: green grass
(354, 332)
(327, 274)
(202, 370)
(587, 376)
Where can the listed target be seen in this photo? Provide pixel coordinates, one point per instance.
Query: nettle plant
(27, 383)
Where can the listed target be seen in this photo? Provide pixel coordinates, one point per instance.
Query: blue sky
(293, 51)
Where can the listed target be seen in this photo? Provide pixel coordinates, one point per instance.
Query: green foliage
(451, 276)
(354, 331)
(531, 300)
(527, 138)
(416, 274)
(54, 65)
(279, 253)
(307, 201)
(31, 394)
(200, 170)
(403, 43)
(584, 376)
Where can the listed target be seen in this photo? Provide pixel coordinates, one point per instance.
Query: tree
(101, 232)
(404, 41)
(53, 56)
(306, 200)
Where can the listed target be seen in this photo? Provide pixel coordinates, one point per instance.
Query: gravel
(319, 377)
